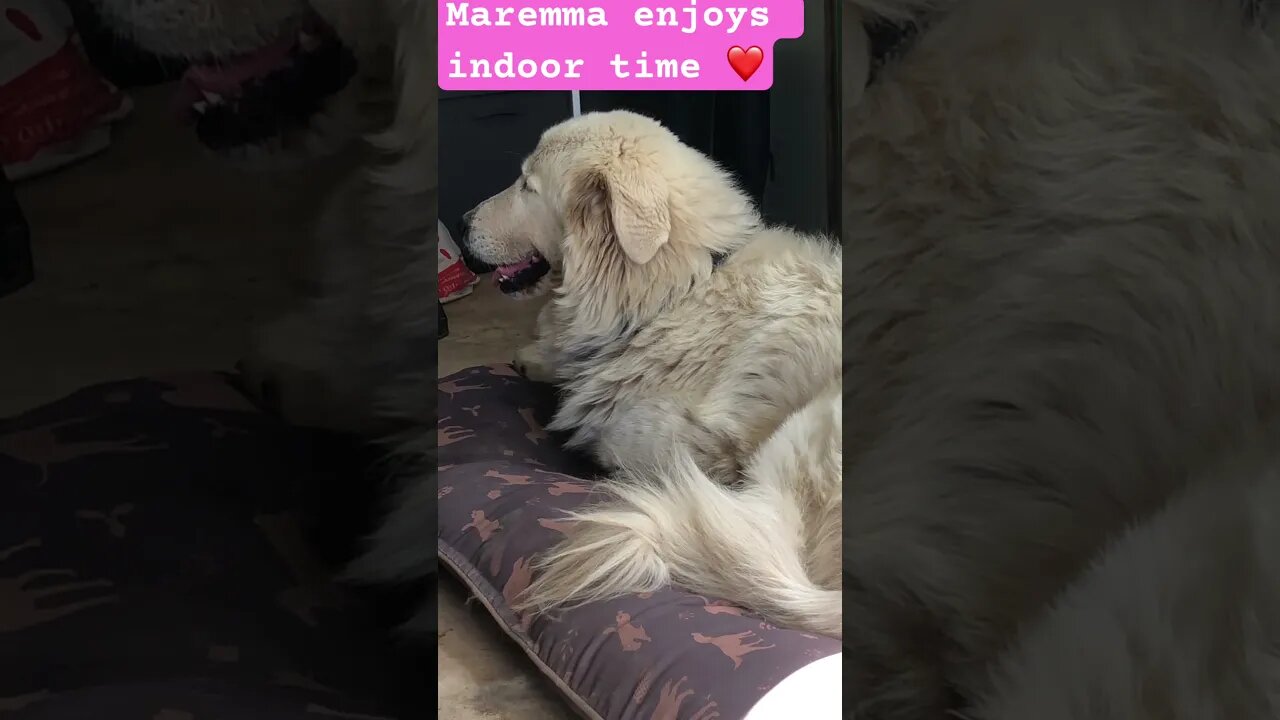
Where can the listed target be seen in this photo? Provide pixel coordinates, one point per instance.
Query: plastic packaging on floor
(55, 108)
(455, 278)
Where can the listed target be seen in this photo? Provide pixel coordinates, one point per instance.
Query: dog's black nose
(464, 244)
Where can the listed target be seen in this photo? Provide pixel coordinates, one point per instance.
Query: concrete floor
(153, 257)
(150, 257)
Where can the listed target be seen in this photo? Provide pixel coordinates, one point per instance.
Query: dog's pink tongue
(509, 271)
(228, 76)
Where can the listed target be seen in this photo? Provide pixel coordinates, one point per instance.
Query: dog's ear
(627, 201)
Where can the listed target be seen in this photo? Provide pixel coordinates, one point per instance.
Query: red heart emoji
(745, 62)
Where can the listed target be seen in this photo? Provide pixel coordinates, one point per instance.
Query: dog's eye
(524, 184)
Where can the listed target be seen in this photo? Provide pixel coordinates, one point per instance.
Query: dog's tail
(679, 526)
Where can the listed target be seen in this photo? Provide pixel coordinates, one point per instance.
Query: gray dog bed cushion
(162, 556)
(672, 655)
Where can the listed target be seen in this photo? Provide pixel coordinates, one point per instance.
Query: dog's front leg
(536, 360)
(533, 364)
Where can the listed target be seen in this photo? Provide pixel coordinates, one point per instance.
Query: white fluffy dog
(673, 368)
(684, 375)
(1061, 327)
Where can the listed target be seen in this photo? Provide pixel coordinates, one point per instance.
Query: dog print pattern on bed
(158, 560)
(504, 483)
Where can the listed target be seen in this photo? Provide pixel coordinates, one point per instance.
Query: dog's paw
(274, 386)
(529, 363)
(303, 396)
(539, 288)
(535, 373)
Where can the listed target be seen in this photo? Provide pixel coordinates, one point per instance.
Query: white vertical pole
(577, 102)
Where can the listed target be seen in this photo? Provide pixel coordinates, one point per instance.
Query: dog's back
(722, 368)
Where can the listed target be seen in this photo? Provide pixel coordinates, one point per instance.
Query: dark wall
(731, 127)
(484, 136)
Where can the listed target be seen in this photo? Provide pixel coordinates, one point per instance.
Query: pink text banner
(613, 44)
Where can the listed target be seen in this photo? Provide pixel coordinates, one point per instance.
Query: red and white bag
(55, 108)
(455, 278)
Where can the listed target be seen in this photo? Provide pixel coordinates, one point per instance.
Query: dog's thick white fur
(683, 376)
(1061, 327)
(772, 543)
(649, 343)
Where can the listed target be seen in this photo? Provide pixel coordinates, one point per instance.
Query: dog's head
(610, 198)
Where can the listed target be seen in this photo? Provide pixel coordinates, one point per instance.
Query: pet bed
(159, 559)
(672, 655)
